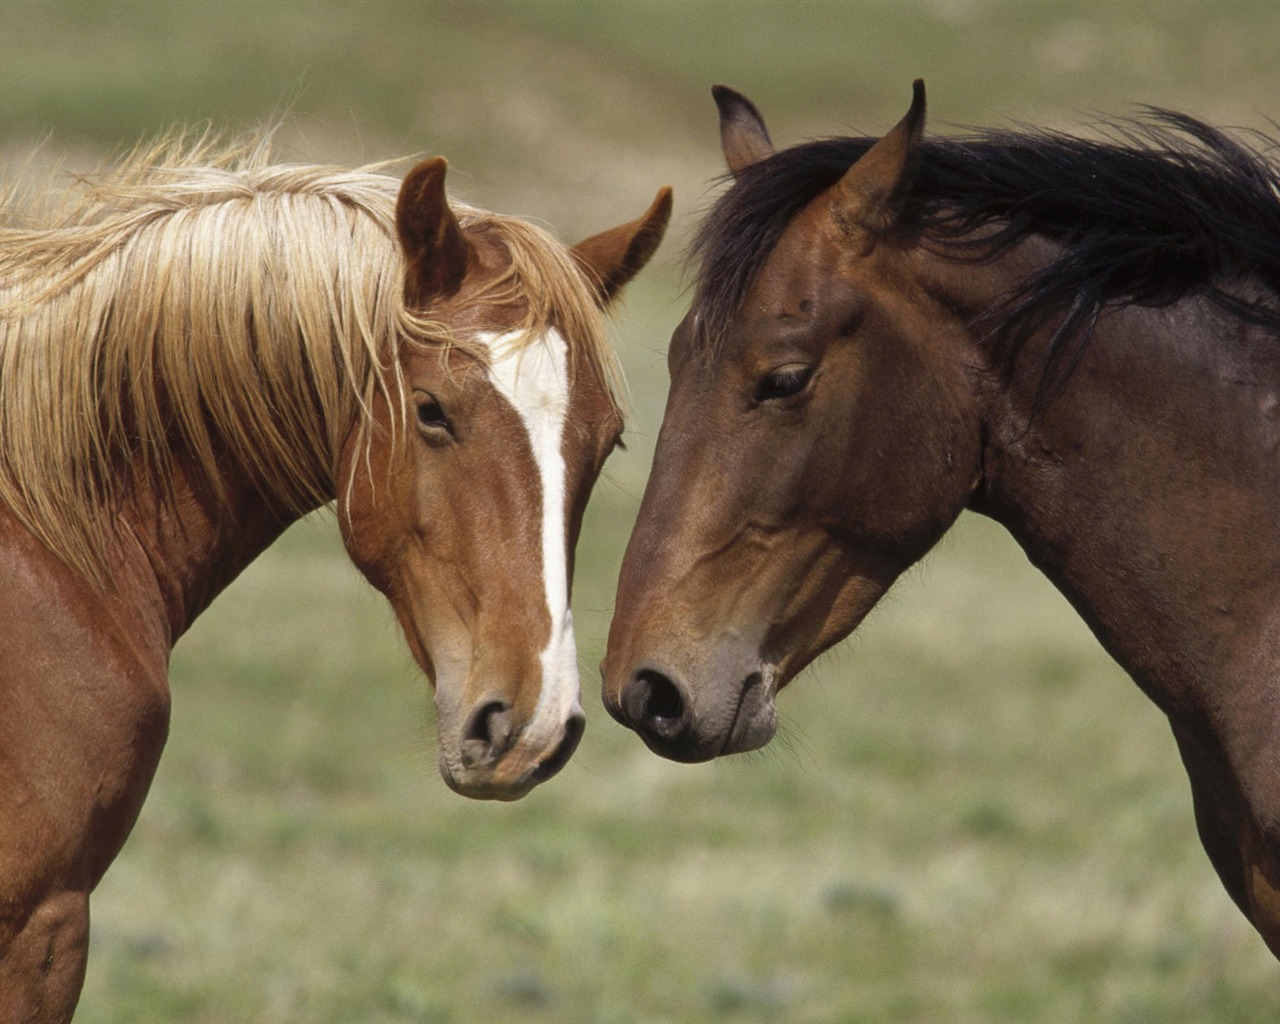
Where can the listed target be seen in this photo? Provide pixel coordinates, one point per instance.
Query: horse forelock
(198, 297)
(546, 282)
(743, 227)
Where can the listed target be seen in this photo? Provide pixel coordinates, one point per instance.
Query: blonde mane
(199, 299)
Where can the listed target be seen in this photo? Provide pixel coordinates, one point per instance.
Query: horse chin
(483, 784)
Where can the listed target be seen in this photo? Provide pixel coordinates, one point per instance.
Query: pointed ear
(743, 136)
(614, 257)
(873, 192)
(434, 245)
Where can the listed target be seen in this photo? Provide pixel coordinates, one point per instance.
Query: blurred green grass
(970, 814)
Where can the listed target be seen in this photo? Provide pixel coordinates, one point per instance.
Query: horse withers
(1078, 338)
(199, 348)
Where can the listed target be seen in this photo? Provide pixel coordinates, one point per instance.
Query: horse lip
(755, 717)
(692, 750)
(484, 784)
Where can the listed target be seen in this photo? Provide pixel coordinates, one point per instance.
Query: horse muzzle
(496, 757)
(686, 722)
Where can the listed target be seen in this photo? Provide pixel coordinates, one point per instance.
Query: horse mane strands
(198, 298)
(1157, 208)
(195, 298)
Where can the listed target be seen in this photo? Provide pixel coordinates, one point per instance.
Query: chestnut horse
(1076, 338)
(196, 350)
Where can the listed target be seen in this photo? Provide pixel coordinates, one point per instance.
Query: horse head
(462, 498)
(809, 450)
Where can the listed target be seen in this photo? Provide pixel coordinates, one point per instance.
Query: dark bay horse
(1080, 339)
(195, 350)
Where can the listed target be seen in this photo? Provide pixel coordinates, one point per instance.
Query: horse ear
(874, 190)
(743, 136)
(434, 245)
(614, 257)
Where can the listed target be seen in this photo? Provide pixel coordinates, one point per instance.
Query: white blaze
(534, 377)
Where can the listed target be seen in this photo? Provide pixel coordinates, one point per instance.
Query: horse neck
(1140, 487)
(193, 539)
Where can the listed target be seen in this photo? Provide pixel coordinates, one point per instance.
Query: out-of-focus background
(971, 813)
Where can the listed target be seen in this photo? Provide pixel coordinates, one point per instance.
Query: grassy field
(971, 813)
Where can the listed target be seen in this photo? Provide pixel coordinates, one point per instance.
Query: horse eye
(783, 382)
(431, 415)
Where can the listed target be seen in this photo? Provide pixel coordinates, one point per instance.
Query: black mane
(1164, 208)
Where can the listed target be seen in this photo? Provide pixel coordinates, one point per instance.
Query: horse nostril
(488, 734)
(655, 704)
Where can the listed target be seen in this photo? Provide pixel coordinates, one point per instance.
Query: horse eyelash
(431, 414)
(766, 390)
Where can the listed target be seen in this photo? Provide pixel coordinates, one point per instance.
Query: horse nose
(488, 734)
(656, 706)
